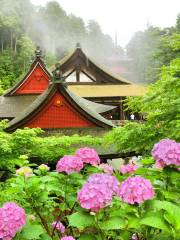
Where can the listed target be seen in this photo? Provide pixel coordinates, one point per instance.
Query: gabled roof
(81, 105)
(12, 106)
(37, 62)
(78, 58)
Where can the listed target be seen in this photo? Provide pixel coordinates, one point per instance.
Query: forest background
(23, 26)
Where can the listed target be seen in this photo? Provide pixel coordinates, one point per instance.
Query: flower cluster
(26, 171)
(12, 219)
(106, 168)
(166, 152)
(44, 167)
(69, 164)
(136, 190)
(110, 181)
(67, 238)
(58, 226)
(128, 168)
(98, 191)
(88, 155)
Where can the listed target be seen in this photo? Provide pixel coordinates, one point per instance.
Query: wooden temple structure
(79, 94)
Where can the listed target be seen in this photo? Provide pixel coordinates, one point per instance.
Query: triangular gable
(59, 108)
(58, 113)
(35, 81)
(79, 61)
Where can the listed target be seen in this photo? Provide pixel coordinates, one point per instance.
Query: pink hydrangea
(102, 178)
(94, 196)
(67, 238)
(69, 164)
(128, 168)
(166, 152)
(59, 226)
(12, 219)
(88, 155)
(136, 190)
(98, 191)
(106, 168)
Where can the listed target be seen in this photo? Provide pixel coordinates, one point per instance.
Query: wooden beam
(70, 73)
(88, 76)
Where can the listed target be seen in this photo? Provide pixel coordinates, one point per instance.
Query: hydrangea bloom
(59, 226)
(128, 168)
(136, 190)
(102, 178)
(26, 171)
(94, 196)
(69, 164)
(44, 167)
(88, 155)
(106, 168)
(67, 238)
(12, 219)
(166, 152)
(98, 191)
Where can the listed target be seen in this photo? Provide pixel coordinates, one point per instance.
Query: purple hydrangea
(69, 164)
(12, 219)
(166, 152)
(98, 191)
(136, 190)
(58, 226)
(67, 238)
(88, 155)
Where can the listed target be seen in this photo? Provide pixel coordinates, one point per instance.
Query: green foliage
(50, 196)
(29, 142)
(161, 110)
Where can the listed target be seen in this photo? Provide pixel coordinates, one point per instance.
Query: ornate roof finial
(38, 52)
(58, 76)
(78, 45)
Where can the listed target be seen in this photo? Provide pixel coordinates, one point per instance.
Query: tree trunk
(11, 44)
(2, 45)
(15, 45)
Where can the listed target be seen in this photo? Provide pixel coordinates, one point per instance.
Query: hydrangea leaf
(81, 220)
(155, 222)
(113, 223)
(32, 232)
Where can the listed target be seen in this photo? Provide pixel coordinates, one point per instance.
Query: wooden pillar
(77, 76)
(122, 115)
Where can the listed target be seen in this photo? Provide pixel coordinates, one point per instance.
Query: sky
(122, 17)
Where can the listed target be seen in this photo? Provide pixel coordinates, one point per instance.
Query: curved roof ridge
(35, 107)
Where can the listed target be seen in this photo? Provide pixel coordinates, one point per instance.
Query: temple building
(79, 94)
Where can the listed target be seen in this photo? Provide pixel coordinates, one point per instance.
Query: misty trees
(23, 25)
(151, 49)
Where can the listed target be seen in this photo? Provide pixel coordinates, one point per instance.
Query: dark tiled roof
(83, 105)
(11, 107)
(78, 54)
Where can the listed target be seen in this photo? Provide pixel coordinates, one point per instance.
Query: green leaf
(147, 161)
(155, 222)
(133, 222)
(81, 220)
(113, 223)
(32, 231)
(172, 209)
(87, 237)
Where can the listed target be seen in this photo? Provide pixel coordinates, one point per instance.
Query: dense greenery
(51, 196)
(30, 143)
(160, 108)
